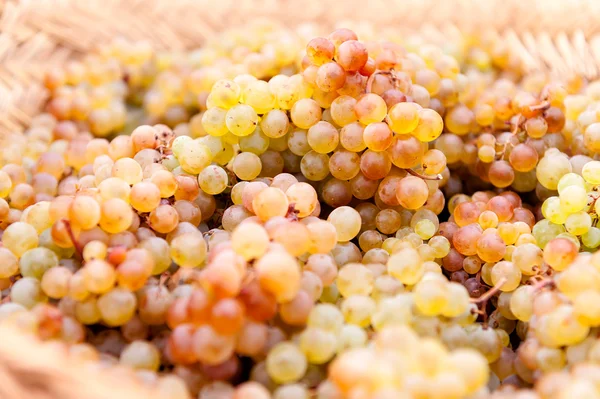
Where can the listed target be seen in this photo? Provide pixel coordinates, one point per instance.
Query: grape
(320, 50)
(352, 55)
(275, 124)
(247, 166)
(241, 120)
(143, 197)
(213, 180)
(269, 203)
(412, 192)
(9, 263)
(370, 108)
(250, 240)
(303, 197)
(305, 113)
(330, 77)
(141, 355)
(351, 137)
(128, 170)
(429, 127)
(210, 347)
(323, 137)
(279, 274)
(318, 345)
(346, 221)
(37, 261)
(550, 169)
(406, 265)
(188, 250)
(286, 363)
(19, 237)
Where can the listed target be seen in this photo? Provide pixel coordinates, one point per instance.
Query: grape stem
(76, 244)
(292, 213)
(483, 300)
(544, 105)
(389, 73)
(541, 284)
(424, 177)
(493, 291)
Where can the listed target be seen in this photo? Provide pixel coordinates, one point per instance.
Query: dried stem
(424, 177)
(543, 283)
(493, 291)
(76, 244)
(544, 105)
(389, 73)
(292, 213)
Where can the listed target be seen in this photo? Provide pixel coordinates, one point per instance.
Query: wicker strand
(553, 36)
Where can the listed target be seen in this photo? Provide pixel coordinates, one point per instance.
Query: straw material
(559, 36)
(30, 369)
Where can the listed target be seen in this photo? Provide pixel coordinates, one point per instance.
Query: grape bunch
(286, 215)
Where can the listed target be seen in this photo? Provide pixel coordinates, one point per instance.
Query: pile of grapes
(281, 215)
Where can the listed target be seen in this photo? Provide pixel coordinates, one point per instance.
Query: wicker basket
(555, 36)
(560, 36)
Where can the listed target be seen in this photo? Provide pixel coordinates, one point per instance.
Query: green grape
(591, 239)
(586, 308)
(241, 120)
(354, 279)
(256, 143)
(326, 316)
(318, 345)
(9, 264)
(141, 355)
(247, 166)
(213, 122)
(27, 292)
(117, 306)
(213, 180)
(286, 363)
(406, 265)
(429, 127)
(188, 250)
(351, 336)
(521, 302)
(358, 309)
(393, 311)
(570, 179)
(291, 391)
(305, 113)
(551, 169)
(179, 143)
(275, 124)
(20, 237)
(591, 172)
(128, 170)
(347, 222)
(258, 95)
(431, 296)
(578, 223)
(323, 137)
(563, 327)
(472, 368)
(37, 261)
(5, 184)
(250, 240)
(194, 157)
(507, 272)
(573, 198)
(553, 211)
